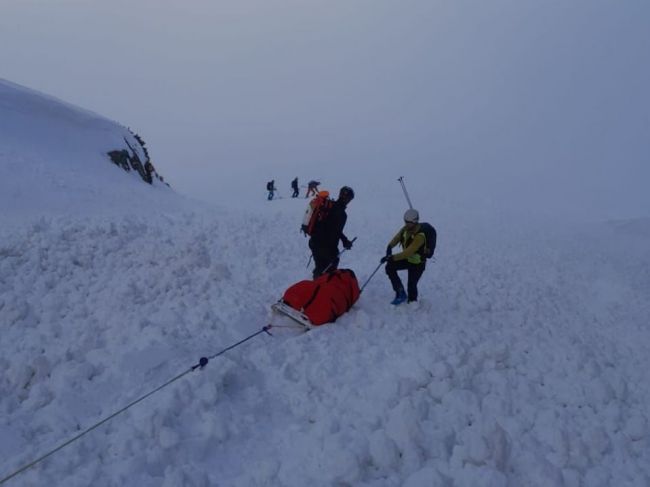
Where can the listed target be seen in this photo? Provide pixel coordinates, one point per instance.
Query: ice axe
(337, 256)
(371, 276)
(401, 181)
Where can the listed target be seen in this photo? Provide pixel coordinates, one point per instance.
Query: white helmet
(411, 216)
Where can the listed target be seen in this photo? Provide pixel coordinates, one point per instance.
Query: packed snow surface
(523, 364)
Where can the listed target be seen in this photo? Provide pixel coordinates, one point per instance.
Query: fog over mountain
(531, 105)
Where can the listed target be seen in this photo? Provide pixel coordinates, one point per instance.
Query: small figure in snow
(294, 187)
(412, 257)
(325, 238)
(312, 188)
(270, 187)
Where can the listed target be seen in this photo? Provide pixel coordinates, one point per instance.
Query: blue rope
(203, 361)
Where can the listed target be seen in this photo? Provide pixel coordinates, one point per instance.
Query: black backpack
(269, 186)
(430, 237)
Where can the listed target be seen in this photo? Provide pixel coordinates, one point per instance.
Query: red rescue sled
(323, 300)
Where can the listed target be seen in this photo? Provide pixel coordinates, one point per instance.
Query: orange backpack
(316, 211)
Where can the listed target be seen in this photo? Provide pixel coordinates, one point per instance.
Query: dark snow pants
(323, 257)
(414, 273)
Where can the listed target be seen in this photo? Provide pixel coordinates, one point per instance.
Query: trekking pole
(371, 276)
(401, 181)
(337, 256)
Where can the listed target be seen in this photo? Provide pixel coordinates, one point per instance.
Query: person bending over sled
(418, 242)
(325, 237)
(312, 188)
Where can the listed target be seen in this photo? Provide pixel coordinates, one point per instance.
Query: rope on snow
(203, 361)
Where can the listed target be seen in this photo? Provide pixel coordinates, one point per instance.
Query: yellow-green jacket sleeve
(396, 239)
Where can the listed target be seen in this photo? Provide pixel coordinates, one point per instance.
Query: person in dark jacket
(312, 188)
(411, 259)
(325, 238)
(270, 187)
(294, 186)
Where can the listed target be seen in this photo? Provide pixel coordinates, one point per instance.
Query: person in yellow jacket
(411, 258)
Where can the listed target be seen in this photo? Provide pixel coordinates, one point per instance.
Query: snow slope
(524, 363)
(54, 159)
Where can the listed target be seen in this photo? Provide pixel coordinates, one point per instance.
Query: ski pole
(371, 276)
(401, 181)
(337, 256)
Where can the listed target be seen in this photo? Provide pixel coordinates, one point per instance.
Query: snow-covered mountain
(524, 364)
(55, 157)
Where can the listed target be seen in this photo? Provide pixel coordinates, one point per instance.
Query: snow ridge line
(203, 361)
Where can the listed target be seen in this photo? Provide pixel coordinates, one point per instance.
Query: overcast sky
(540, 104)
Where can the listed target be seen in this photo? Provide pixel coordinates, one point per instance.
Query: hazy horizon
(538, 106)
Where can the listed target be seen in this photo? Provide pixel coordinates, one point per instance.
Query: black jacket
(327, 233)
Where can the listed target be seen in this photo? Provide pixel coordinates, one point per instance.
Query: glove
(347, 245)
(389, 250)
(386, 258)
